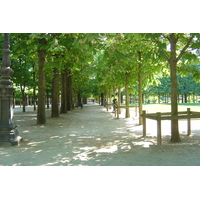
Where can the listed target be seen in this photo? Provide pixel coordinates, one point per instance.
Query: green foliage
(102, 62)
(186, 85)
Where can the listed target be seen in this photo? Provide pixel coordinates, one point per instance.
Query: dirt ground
(92, 136)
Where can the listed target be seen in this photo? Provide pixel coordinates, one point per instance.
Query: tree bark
(79, 98)
(23, 99)
(140, 98)
(34, 88)
(119, 99)
(122, 100)
(55, 90)
(48, 98)
(127, 97)
(34, 98)
(69, 90)
(102, 99)
(41, 115)
(63, 108)
(84, 100)
(185, 97)
(159, 98)
(175, 137)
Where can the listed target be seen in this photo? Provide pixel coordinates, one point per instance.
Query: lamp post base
(10, 135)
(8, 131)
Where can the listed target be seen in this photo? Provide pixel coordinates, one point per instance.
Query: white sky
(99, 16)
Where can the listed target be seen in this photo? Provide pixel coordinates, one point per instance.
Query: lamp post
(8, 131)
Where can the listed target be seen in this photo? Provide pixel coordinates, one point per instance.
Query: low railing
(108, 106)
(117, 110)
(167, 116)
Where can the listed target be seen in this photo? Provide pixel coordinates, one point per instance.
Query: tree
(178, 46)
(161, 88)
(55, 93)
(173, 59)
(41, 115)
(23, 64)
(116, 66)
(131, 61)
(63, 108)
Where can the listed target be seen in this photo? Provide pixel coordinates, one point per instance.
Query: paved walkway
(91, 137)
(75, 138)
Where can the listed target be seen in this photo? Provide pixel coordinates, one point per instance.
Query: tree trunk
(175, 137)
(193, 98)
(41, 115)
(185, 97)
(23, 99)
(140, 96)
(69, 90)
(102, 99)
(122, 98)
(55, 98)
(84, 100)
(127, 101)
(79, 98)
(34, 88)
(48, 98)
(63, 108)
(34, 99)
(119, 100)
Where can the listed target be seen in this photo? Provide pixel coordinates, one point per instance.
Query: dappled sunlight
(38, 151)
(87, 148)
(4, 154)
(119, 130)
(82, 157)
(195, 127)
(25, 149)
(85, 137)
(20, 120)
(35, 143)
(144, 144)
(56, 136)
(26, 131)
(91, 137)
(110, 149)
(125, 147)
(17, 164)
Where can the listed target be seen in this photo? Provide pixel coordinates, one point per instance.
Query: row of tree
(187, 87)
(72, 66)
(49, 66)
(139, 59)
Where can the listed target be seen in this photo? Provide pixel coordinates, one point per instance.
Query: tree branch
(166, 57)
(184, 49)
(165, 36)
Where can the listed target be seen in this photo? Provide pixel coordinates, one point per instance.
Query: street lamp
(8, 131)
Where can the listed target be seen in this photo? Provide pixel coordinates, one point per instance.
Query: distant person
(114, 104)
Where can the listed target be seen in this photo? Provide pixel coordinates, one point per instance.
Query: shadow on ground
(93, 137)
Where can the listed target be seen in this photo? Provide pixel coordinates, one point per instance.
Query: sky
(40, 16)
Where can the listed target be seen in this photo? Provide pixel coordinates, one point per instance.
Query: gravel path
(93, 137)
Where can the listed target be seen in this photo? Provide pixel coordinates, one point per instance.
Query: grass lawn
(167, 107)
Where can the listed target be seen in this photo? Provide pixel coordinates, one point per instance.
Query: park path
(75, 138)
(92, 137)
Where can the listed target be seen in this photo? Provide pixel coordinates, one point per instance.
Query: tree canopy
(75, 66)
